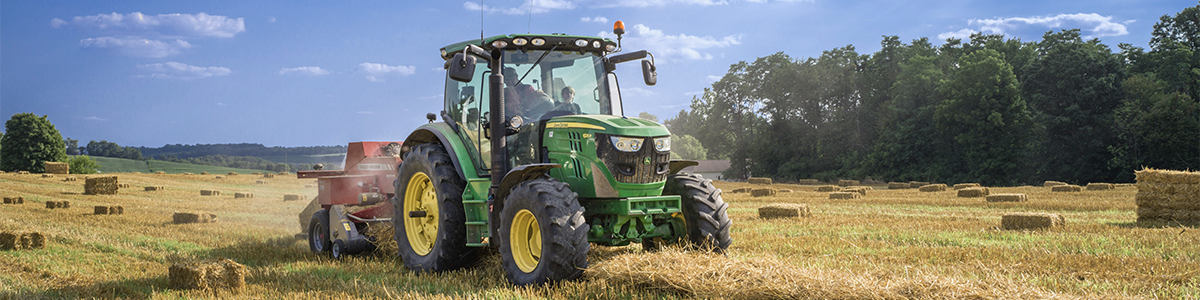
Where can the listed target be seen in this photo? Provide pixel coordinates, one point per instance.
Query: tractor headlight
(520, 42)
(627, 144)
(499, 44)
(538, 42)
(581, 43)
(662, 144)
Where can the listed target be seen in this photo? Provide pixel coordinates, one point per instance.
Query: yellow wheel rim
(526, 240)
(420, 196)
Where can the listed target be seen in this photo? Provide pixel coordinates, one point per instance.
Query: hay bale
(203, 173)
(64, 204)
(785, 191)
(1049, 183)
(256, 173)
(1168, 195)
(51, 204)
(243, 195)
(47, 175)
(1018, 221)
(741, 190)
(8, 200)
(160, 172)
(155, 188)
(284, 173)
(37, 240)
(193, 217)
(759, 180)
(209, 193)
(232, 174)
(1121, 185)
(292, 197)
(973, 192)
(937, 187)
(828, 188)
(22, 172)
(845, 182)
(268, 175)
(188, 173)
(207, 275)
(763, 192)
(844, 195)
(23, 241)
(861, 190)
(1066, 188)
(917, 184)
(19, 200)
(116, 210)
(100, 210)
(122, 185)
(1098, 186)
(1006, 198)
(8, 241)
(70, 178)
(808, 182)
(57, 167)
(261, 182)
(219, 177)
(898, 185)
(783, 210)
(103, 185)
(965, 185)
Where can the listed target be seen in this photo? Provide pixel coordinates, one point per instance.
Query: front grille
(632, 167)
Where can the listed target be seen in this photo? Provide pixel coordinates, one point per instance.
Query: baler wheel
(435, 241)
(338, 250)
(706, 215)
(542, 236)
(318, 232)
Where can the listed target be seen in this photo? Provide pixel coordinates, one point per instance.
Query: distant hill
(244, 149)
(121, 165)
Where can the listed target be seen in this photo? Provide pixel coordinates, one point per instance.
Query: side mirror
(462, 67)
(649, 72)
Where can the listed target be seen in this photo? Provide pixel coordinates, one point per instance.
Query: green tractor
(544, 174)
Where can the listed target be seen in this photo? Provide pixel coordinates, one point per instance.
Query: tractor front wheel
(428, 212)
(705, 214)
(318, 232)
(542, 236)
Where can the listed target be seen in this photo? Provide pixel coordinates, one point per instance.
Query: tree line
(989, 109)
(243, 149)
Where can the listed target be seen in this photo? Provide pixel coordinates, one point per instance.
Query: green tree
(647, 116)
(29, 141)
(1157, 128)
(911, 147)
(83, 164)
(984, 114)
(1175, 52)
(72, 146)
(687, 147)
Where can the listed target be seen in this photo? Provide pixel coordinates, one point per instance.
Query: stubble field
(889, 244)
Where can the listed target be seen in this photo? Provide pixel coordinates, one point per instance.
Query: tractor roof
(557, 41)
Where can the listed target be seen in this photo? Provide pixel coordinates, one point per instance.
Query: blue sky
(297, 73)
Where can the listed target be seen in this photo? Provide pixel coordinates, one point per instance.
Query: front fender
(441, 132)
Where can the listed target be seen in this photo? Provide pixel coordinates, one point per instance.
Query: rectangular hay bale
(828, 188)
(759, 180)
(57, 167)
(763, 192)
(193, 217)
(209, 193)
(973, 192)
(845, 182)
(100, 210)
(937, 187)
(51, 204)
(207, 275)
(1099, 186)
(1066, 188)
(37, 240)
(1050, 183)
(1007, 198)
(844, 195)
(292, 197)
(8, 241)
(268, 175)
(102, 185)
(898, 185)
(965, 185)
(1018, 221)
(783, 210)
(243, 195)
(917, 184)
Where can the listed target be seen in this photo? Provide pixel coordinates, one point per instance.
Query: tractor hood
(614, 125)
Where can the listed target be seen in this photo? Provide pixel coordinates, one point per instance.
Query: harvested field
(972, 192)
(940, 187)
(1066, 188)
(1007, 198)
(783, 210)
(1018, 221)
(758, 180)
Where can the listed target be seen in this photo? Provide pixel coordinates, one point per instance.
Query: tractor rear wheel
(542, 236)
(705, 214)
(428, 212)
(318, 232)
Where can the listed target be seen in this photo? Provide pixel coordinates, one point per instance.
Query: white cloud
(311, 71)
(176, 26)
(374, 70)
(538, 6)
(962, 34)
(95, 118)
(271, 19)
(660, 3)
(134, 46)
(713, 78)
(597, 19)
(174, 70)
(681, 46)
(1092, 25)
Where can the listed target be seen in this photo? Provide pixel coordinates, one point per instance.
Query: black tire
(449, 249)
(705, 214)
(562, 229)
(338, 250)
(318, 232)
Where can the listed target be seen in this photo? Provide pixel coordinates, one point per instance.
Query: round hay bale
(898, 185)
(1049, 183)
(1098, 186)
(844, 195)
(965, 185)
(759, 180)
(783, 210)
(938, 187)
(1007, 198)
(1019, 221)
(763, 192)
(973, 192)
(828, 188)
(845, 182)
(1066, 188)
